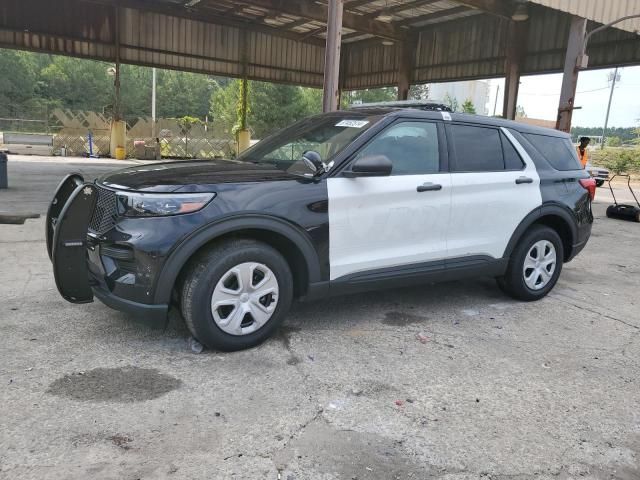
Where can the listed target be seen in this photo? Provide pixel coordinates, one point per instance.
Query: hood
(190, 176)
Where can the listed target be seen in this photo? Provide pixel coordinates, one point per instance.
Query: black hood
(191, 176)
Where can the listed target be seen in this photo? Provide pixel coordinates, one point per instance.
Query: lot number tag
(352, 123)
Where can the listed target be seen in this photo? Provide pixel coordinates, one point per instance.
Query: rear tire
(236, 294)
(535, 265)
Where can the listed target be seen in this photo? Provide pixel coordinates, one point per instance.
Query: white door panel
(486, 207)
(378, 222)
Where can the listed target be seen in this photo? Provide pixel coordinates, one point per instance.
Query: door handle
(520, 180)
(429, 187)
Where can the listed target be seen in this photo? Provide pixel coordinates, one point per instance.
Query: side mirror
(313, 161)
(370, 166)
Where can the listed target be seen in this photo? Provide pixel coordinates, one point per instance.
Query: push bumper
(77, 266)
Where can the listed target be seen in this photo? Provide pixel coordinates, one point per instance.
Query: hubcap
(245, 298)
(539, 264)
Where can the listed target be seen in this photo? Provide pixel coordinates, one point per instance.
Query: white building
(475, 90)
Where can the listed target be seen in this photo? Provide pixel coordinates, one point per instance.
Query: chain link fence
(79, 133)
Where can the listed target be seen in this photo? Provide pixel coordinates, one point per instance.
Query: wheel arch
(555, 216)
(291, 242)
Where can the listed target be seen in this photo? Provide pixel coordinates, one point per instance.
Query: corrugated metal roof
(600, 11)
(472, 45)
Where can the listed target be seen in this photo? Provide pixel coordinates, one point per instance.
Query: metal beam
(331, 83)
(191, 14)
(314, 11)
(501, 8)
(575, 44)
(401, 7)
(432, 16)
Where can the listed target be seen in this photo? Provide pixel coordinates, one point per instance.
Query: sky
(539, 96)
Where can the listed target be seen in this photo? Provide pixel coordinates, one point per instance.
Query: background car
(600, 174)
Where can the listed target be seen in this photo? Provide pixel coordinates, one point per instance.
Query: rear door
(494, 185)
(383, 222)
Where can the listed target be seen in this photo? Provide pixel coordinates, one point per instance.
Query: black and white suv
(337, 203)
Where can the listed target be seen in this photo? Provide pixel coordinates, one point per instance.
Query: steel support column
(332, 56)
(516, 50)
(404, 69)
(575, 46)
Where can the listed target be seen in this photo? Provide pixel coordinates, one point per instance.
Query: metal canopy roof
(283, 41)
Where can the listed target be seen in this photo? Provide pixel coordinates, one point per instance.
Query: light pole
(613, 78)
(153, 104)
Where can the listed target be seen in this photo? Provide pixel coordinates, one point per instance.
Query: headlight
(132, 204)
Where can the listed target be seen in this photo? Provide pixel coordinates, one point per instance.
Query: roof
(599, 11)
(283, 41)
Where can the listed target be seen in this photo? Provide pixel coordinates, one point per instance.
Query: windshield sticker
(352, 123)
(446, 116)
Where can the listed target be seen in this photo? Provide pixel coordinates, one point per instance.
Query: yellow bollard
(244, 140)
(121, 153)
(118, 139)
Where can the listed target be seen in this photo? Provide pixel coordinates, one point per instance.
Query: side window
(512, 160)
(558, 151)
(477, 149)
(412, 148)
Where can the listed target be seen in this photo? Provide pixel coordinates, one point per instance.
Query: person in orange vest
(583, 154)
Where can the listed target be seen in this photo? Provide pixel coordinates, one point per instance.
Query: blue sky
(539, 95)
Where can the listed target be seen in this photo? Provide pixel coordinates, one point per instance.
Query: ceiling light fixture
(520, 14)
(384, 16)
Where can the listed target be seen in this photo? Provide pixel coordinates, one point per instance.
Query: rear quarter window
(558, 151)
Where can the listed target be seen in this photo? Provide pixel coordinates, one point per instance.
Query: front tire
(236, 294)
(535, 265)
(599, 183)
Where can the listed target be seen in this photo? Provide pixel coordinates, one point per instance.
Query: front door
(397, 220)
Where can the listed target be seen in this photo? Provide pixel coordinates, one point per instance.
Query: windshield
(325, 134)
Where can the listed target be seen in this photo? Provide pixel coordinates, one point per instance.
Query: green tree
(271, 106)
(468, 107)
(78, 85)
(419, 92)
(372, 95)
(183, 93)
(614, 142)
(451, 102)
(18, 83)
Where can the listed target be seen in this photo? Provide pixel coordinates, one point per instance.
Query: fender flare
(185, 250)
(545, 210)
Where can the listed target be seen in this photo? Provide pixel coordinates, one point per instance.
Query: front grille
(106, 211)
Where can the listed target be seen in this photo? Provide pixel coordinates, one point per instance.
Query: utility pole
(153, 104)
(613, 78)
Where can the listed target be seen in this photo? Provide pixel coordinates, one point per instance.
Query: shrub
(617, 160)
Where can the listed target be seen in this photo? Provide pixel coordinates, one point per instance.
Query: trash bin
(4, 179)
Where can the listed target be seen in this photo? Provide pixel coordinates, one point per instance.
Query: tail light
(589, 184)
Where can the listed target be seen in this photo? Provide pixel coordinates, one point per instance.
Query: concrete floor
(452, 381)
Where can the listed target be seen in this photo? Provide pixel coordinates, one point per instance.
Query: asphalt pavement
(452, 381)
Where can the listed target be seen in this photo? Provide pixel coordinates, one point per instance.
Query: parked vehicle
(600, 174)
(337, 203)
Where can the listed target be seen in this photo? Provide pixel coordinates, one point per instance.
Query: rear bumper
(152, 315)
